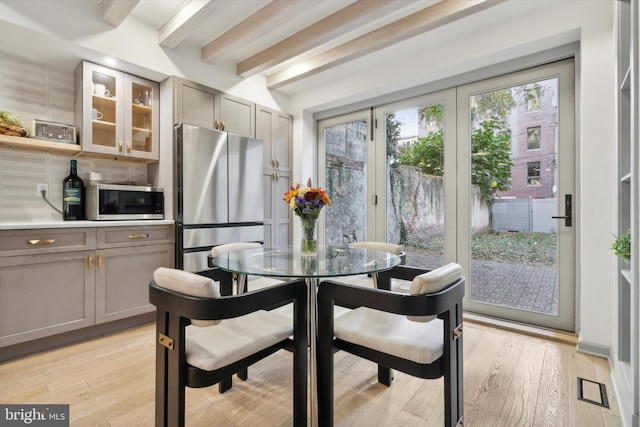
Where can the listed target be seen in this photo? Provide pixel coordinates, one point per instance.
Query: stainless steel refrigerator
(218, 191)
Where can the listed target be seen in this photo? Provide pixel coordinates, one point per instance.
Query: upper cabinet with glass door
(116, 113)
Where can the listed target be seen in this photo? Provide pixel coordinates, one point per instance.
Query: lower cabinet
(123, 273)
(45, 294)
(54, 280)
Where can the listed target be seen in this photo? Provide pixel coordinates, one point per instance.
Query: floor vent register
(592, 392)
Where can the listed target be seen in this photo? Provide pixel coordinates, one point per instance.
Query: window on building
(533, 173)
(533, 138)
(533, 99)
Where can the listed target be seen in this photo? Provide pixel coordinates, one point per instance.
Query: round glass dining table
(289, 262)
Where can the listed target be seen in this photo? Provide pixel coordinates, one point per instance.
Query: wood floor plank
(488, 375)
(582, 412)
(553, 398)
(520, 403)
(511, 380)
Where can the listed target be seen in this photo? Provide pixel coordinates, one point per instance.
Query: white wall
(514, 29)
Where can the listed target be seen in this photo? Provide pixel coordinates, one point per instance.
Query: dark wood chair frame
(446, 304)
(173, 373)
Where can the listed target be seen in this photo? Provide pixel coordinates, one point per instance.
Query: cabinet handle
(217, 124)
(120, 145)
(277, 177)
(128, 146)
(90, 261)
(139, 236)
(222, 125)
(273, 163)
(41, 241)
(100, 260)
(277, 163)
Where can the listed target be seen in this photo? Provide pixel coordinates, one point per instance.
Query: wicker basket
(11, 129)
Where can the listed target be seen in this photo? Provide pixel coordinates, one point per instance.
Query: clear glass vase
(309, 243)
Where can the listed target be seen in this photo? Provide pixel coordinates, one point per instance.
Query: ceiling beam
(273, 15)
(186, 21)
(427, 19)
(114, 12)
(335, 25)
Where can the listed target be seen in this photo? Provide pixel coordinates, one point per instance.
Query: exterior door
(348, 177)
(516, 223)
(416, 182)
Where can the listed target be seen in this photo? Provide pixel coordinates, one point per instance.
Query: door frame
(567, 268)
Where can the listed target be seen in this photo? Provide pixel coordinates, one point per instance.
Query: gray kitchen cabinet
(199, 105)
(277, 221)
(237, 115)
(195, 104)
(47, 282)
(126, 258)
(117, 114)
(275, 129)
(59, 280)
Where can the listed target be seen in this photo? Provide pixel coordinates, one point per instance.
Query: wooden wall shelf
(24, 143)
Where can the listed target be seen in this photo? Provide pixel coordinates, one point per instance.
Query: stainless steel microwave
(111, 202)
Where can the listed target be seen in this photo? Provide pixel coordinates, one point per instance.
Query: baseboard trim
(593, 349)
(534, 331)
(49, 343)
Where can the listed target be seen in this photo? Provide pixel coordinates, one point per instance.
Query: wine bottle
(73, 195)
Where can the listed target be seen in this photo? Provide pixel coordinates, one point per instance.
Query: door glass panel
(141, 117)
(415, 185)
(346, 182)
(104, 109)
(514, 180)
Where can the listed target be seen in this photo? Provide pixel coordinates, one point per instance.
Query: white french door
(473, 175)
(531, 279)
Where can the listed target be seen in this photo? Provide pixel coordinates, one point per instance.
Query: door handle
(567, 211)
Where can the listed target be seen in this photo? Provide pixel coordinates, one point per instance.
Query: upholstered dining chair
(418, 333)
(204, 338)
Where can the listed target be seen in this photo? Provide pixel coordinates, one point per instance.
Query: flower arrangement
(306, 202)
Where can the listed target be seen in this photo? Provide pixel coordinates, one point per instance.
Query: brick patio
(519, 286)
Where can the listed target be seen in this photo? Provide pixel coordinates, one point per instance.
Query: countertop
(79, 224)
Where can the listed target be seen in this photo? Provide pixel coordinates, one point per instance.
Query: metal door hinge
(165, 341)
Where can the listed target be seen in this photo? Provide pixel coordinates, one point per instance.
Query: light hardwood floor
(510, 380)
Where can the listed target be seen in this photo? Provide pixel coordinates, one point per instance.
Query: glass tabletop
(330, 261)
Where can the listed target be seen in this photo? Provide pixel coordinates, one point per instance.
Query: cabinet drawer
(113, 237)
(42, 241)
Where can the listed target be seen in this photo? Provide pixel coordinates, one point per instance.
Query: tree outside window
(533, 173)
(533, 138)
(533, 98)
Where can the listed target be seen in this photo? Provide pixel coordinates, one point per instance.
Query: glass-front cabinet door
(118, 113)
(141, 123)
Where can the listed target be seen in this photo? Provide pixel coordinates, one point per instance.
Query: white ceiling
(274, 38)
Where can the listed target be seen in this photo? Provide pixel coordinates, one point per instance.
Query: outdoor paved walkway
(520, 286)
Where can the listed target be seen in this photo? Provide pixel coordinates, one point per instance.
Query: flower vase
(309, 244)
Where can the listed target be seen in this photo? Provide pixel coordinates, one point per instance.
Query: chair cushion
(234, 339)
(378, 246)
(434, 281)
(188, 284)
(392, 334)
(228, 247)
